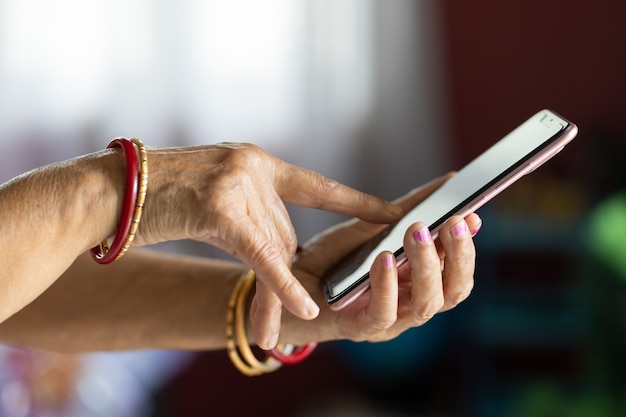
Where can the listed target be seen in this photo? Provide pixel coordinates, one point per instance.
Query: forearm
(144, 300)
(51, 215)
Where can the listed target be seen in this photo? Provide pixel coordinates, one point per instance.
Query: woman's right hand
(233, 196)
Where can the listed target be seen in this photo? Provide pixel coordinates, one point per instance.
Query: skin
(234, 199)
(228, 195)
(154, 300)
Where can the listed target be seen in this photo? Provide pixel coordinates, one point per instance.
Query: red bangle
(298, 355)
(102, 253)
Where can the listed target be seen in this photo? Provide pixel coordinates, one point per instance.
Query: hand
(437, 276)
(232, 196)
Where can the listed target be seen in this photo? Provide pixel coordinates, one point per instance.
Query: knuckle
(264, 253)
(284, 285)
(267, 258)
(251, 153)
(381, 322)
(431, 268)
(428, 310)
(323, 186)
(326, 185)
(467, 256)
(243, 157)
(458, 295)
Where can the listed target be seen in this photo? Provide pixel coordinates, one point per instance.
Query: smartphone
(520, 152)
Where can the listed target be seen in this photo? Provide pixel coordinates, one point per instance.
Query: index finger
(310, 189)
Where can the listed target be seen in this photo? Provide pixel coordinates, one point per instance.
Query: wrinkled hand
(437, 276)
(232, 196)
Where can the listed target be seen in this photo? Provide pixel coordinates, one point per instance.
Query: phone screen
(518, 153)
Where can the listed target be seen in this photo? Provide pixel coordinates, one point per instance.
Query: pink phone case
(519, 153)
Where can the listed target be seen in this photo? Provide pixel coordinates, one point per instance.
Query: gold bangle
(141, 194)
(231, 346)
(241, 312)
(237, 344)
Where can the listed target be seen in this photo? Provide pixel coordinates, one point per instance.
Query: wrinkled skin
(233, 196)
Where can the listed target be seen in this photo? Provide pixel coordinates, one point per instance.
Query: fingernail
(312, 309)
(389, 261)
(270, 342)
(422, 235)
(475, 231)
(308, 308)
(460, 229)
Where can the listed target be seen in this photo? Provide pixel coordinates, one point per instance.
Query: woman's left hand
(437, 276)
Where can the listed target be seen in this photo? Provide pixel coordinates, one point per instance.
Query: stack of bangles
(134, 198)
(237, 344)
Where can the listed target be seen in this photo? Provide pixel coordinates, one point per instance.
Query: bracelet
(237, 343)
(291, 355)
(141, 194)
(132, 208)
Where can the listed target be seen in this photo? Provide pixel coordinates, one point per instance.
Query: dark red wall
(506, 60)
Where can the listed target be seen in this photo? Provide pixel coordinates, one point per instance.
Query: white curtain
(350, 88)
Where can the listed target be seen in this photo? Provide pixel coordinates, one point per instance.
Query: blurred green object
(547, 400)
(607, 233)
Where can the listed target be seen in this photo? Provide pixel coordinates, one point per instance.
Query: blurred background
(383, 96)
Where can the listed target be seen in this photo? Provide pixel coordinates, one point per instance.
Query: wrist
(100, 188)
(164, 197)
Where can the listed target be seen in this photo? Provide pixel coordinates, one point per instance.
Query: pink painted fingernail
(422, 235)
(460, 229)
(389, 261)
(475, 231)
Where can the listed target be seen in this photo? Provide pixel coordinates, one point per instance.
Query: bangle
(132, 208)
(237, 343)
(291, 355)
(141, 194)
